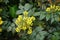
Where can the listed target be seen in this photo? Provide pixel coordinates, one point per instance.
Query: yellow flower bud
(25, 13)
(29, 31)
(29, 22)
(19, 18)
(17, 29)
(32, 18)
(1, 22)
(56, 8)
(52, 6)
(17, 22)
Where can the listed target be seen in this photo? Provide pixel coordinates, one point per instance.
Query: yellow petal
(1, 22)
(25, 13)
(17, 29)
(29, 31)
(24, 28)
(48, 9)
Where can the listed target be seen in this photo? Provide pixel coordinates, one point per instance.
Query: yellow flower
(57, 6)
(16, 22)
(48, 9)
(24, 22)
(17, 29)
(29, 31)
(25, 18)
(29, 21)
(19, 18)
(32, 18)
(52, 6)
(24, 27)
(59, 9)
(0, 29)
(25, 13)
(1, 22)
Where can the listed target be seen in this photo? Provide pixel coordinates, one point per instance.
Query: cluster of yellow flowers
(24, 22)
(1, 22)
(53, 8)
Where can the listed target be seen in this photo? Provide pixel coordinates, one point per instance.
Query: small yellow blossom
(0, 29)
(25, 13)
(48, 9)
(24, 27)
(32, 18)
(29, 21)
(16, 22)
(29, 31)
(19, 18)
(52, 6)
(1, 22)
(17, 29)
(57, 7)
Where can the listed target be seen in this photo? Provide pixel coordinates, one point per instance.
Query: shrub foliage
(29, 19)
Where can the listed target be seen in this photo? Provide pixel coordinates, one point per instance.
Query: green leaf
(36, 14)
(6, 25)
(42, 15)
(21, 6)
(55, 36)
(47, 17)
(13, 11)
(38, 34)
(19, 11)
(52, 18)
(11, 28)
(31, 11)
(27, 6)
(56, 18)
